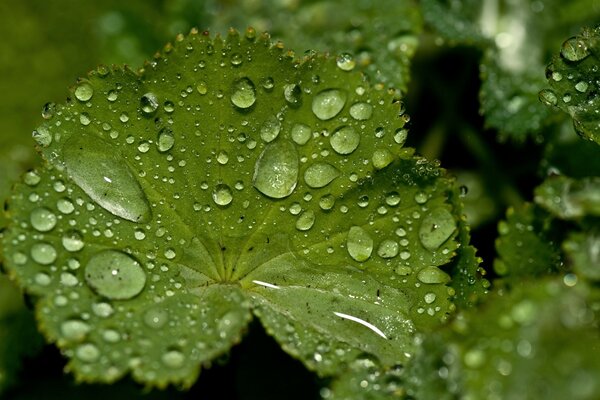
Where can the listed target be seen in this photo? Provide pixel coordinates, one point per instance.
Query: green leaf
(539, 341)
(583, 250)
(568, 198)
(572, 78)
(526, 246)
(223, 180)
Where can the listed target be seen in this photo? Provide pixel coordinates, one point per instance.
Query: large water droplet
(149, 103)
(243, 93)
(222, 195)
(270, 129)
(328, 103)
(115, 275)
(165, 140)
(104, 176)
(84, 91)
(320, 174)
(361, 111)
(276, 170)
(306, 220)
(574, 49)
(359, 244)
(433, 275)
(43, 219)
(301, 134)
(436, 228)
(344, 140)
(72, 241)
(43, 253)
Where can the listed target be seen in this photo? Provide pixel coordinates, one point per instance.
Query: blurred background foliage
(469, 72)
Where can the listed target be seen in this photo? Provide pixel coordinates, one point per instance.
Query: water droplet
(320, 174)
(32, 178)
(388, 249)
(326, 202)
(243, 93)
(43, 253)
(276, 170)
(574, 49)
(84, 91)
(104, 176)
(115, 275)
(236, 59)
(432, 275)
(165, 140)
(270, 129)
(345, 62)
(173, 359)
(87, 352)
(361, 111)
(48, 110)
(382, 158)
(74, 330)
(328, 103)
(42, 219)
(72, 241)
(359, 244)
(65, 206)
(548, 97)
(202, 88)
(112, 95)
(581, 86)
(392, 199)
(293, 95)
(222, 195)
(149, 103)
(306, 220)
(267, 83)
(103, 310)
(344, 140)
(19, 258)
(400, 136)
(156, 318)
(42, 136)
(111, 336)
(436, 228)
(301, 134)
(421, 197)
(429, 298)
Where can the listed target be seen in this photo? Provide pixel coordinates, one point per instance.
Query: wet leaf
(583, 251)
(568, 198)
(227, 179)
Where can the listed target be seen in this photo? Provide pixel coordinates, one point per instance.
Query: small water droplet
(432, 275)
(222, 195)
(400, 136)
(382, 158)
(421, 197)
(42, 136)
(48, 110)
(72, 241)
(74, 330)
(103, 310)
(84, 91)
(236, 59)
(359, 244)
(301, 134)
(42, 219)
(32, 178)
(328, 103)
(293, 95)
(267, 83)
(574, 49)
(243, 93)
(115, 275)
(429, 298)
(344, 140)
(326, 202)
(361, 111)
(156, 318)
(165, 140)
(306, 220)
(276, 170)
(87, 352)
(320, 174)
(65, 206)
(202, 88)
(388, 249)
(173, 359)
(436, 228)
(392, 199)
(345, 62)
(581, 86)
(149, 103)
(43, 253)
(270, 129)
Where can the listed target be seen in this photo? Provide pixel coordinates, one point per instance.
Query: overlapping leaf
(227, 179)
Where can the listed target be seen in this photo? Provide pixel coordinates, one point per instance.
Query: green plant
(230, 180)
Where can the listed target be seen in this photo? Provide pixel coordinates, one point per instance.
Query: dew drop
(72, 241)
(432, 275)
(243, 93)
(400, 136)
(115, 275)
(293, 95)
(345, 62)
(173, 359)
(202, 88)
(359, 244)
(42, 219)
(326, 202)
(276, 170)
(165, 140)
(382, 158)
(388, 249)
(361, 111)
(149, 103)
(306, 220)
(87, 352)
(548, 97)
(103, 310)
(320, 174)
(344, 140)
(421, 197)
(156, 318)
(328, 103)
(574, 49)
(436, 228)
(74, 330)
(270, 129)
(43, 253)
(581, 86)
(429, 298)
(42, 136)
(392, 199)
(32, 178)
(301, 134)
(65, 206)
(48, 110)
(105, 177)
(84, 91)
(222, 195)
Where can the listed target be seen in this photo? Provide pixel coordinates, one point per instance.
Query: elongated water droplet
(436, 228)
(328, 103)
(361, 111)
(243, 93)
(42, 219)
(306, 220)
(165, 140)
(222, 195)
(359, 244)
(276, 170)
(43, 253)
(270, 129)
(320, 174)
(104, 176)
(84, 92)
(344, 140)
(301, 134)
(115, 275)
(433, 275)
(149, 103)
